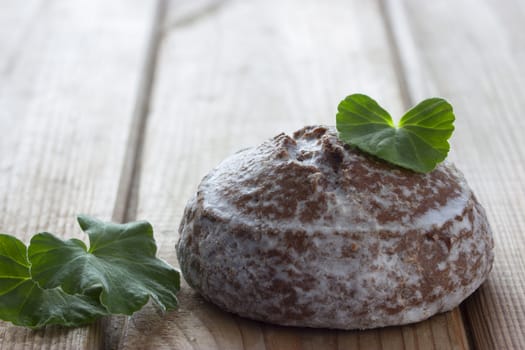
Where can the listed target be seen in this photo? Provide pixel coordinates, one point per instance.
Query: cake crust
(305, 230)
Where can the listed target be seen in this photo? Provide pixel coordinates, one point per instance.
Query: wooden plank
(17, 19)
(230, 75)
(472, 52)
(71, 76)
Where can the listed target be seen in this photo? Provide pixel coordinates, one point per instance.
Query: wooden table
(118, 108)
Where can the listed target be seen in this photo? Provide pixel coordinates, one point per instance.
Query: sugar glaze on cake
(307, 231)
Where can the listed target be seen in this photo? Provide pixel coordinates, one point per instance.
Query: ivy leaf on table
(24, 303)
(120, 267)
(418, 142)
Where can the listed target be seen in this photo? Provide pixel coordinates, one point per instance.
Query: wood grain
(16, 20)
(231, 74)
(70, 75)
(472, 52)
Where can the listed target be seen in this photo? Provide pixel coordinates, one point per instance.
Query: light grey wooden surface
(117, 109)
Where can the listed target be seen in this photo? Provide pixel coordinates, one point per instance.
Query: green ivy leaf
(419, 142)
(24, 303)
(120, 266)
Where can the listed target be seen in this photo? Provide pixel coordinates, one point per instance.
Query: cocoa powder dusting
(308, 231)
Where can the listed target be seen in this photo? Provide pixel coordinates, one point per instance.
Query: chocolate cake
(308, 231)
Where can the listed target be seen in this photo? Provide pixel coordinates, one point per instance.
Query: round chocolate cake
(308, 231)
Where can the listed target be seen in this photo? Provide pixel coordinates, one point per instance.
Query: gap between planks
(403, 51)
(126, 202)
